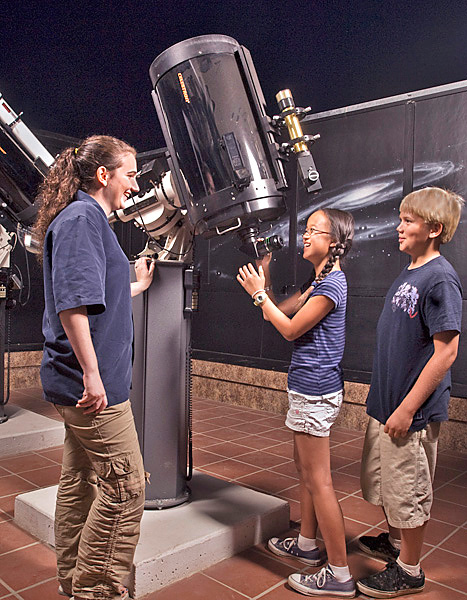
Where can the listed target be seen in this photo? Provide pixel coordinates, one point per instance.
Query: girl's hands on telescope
(250, 280)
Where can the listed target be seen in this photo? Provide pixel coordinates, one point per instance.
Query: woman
(315, 389)
(86, 366)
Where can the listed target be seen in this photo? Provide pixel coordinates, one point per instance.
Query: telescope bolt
(278, 122)
(301, 113)
(308, 139)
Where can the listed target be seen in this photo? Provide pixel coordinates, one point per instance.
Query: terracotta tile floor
(252, 448)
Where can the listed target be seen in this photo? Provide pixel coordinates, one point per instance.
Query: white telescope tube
(22, 135)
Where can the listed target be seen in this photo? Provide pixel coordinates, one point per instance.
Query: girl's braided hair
(342, 231)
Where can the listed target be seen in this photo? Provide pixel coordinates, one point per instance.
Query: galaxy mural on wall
(357, 197)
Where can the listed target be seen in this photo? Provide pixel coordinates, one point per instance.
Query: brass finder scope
(299, 143)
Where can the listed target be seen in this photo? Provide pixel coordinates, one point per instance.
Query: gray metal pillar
(160, 392)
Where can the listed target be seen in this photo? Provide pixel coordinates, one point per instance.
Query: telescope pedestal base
(167, 502)
(221, 520)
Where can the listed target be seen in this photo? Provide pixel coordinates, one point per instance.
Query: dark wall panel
(231, 322)
(362, 317)
(360, 159)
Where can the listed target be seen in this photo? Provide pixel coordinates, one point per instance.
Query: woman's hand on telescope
(250, 280)
(144, 271)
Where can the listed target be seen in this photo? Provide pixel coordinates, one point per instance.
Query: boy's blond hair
(435, 205)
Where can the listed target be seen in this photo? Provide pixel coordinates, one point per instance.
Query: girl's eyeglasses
(313, 231)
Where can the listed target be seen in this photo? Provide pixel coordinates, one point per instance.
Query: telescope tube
(227, 170)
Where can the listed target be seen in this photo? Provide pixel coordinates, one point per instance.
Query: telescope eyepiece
(269, 244)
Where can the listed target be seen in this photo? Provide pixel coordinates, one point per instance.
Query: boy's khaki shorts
(397, 473)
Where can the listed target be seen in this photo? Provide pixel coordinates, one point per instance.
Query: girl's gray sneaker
(322, 583)
(289, 547)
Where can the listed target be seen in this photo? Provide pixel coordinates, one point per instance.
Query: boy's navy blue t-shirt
(420, 303)
(84, 265)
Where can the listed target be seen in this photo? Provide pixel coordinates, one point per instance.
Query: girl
(86, 365)
(315, 389)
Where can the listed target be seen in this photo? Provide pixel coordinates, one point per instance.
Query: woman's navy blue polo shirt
(84, 265)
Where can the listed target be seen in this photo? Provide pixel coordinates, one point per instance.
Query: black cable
(165, 195)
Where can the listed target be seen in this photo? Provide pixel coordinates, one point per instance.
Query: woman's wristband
(257, 292)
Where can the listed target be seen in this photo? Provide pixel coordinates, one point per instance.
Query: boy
(417, 341)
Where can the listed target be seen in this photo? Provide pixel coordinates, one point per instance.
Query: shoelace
(320, 577)
(288, 543)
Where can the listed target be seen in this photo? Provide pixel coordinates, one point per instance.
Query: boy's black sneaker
(379, 546)
(391, 582)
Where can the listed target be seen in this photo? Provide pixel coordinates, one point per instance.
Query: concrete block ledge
(26, 431)
(221, 520)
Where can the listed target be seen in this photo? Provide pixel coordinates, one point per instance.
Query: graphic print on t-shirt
(406, 298)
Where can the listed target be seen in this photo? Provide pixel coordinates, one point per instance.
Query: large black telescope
(226, 165)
